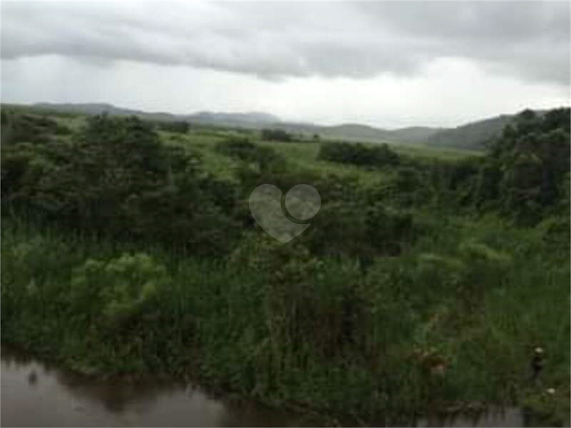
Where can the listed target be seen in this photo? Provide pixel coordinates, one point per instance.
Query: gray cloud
(529, 40)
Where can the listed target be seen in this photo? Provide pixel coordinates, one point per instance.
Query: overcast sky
(388, 64)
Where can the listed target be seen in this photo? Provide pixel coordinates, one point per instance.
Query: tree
(359, 154)
(180, 127)
(525, 167)
(117, 179)
(276, 135)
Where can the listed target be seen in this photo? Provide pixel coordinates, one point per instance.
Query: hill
(258, 120)
(362, 133)
(99, 108)
(471, 136)
(369, 133)
(254, 119)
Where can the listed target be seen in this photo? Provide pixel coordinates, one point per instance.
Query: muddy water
(35, 394)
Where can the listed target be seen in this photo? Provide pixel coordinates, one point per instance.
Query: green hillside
(471, 136)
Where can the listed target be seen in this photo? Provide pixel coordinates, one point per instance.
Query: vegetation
(177, 126)
(276, 135)
(423, 282)
(473, 135)
(30, 128)
(359, 154)
(243, 149)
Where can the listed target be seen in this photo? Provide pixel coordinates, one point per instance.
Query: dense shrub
(359, 154)
(117, 179)
(526, 166)
(180, 127)
(239, 147)
(118, 289)
(30, 128)
(276, 135)
(265, 158)
(357, 230)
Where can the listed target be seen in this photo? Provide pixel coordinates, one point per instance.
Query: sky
(388, 64)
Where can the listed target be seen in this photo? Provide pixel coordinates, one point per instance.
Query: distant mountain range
(222, 119)
(472, 135)
(252, 118)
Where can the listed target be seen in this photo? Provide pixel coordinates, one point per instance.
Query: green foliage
(531, 161)
(282, 323)
(243, 149)
(276, 135)
(30, 128)
(556, 232)
(179, 127)
(359, 154)
(413, 289)
(124, 285)
(118, 179)
(358, 230)
(524, 174)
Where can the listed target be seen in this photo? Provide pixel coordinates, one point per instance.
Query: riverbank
(88, 401)
(272, 324)
(64, 398)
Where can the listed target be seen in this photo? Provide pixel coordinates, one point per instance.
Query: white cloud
(389, 64)
(278, 39)
(446, 93)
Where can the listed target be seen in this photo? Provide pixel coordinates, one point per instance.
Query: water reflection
(492, 417)
(37, 394)
(33, 378)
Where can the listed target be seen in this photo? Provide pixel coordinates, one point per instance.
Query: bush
(116, 179)
(357, 230)
(242, 148)
(528, 164)
(28, 128)
(117, 290)
(238, 147)
(276, 135)
(180, 127)
(359, 154)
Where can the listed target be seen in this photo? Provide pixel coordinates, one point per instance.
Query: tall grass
(454, 319)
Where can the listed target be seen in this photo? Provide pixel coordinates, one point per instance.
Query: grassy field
(300, 156)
